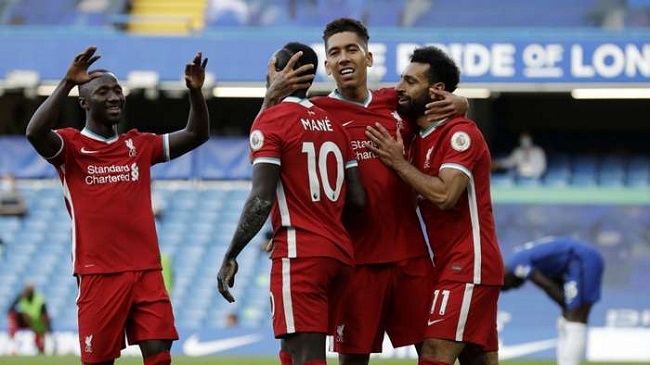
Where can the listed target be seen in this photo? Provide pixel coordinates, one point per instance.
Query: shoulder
(385, 96)
(385, 92)
(276, 111)
(135, 134)
(323, 101)
(68, 132)
(463, 132)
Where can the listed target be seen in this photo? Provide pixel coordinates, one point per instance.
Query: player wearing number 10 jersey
(303, 169)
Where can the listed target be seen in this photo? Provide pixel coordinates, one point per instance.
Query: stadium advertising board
(493, 58)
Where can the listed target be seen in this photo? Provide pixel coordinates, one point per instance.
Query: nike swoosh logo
(194, 347)
(84, 150)
(348, 122)
(435, 321)
(514, 351)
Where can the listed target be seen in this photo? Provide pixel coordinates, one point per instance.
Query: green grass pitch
(71, 360)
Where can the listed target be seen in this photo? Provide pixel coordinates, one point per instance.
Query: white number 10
(315, 181)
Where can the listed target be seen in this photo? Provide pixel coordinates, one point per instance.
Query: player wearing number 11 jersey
(303, 169)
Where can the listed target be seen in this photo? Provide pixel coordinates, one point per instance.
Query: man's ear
(83, 103)
(327, 69)
(369, 59)
(439, 86)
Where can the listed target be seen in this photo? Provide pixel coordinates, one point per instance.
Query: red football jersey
(107, 190)
(388, 230)
(463, 238)
(312, 152)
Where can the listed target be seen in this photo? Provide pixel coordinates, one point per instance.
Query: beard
(415, 107)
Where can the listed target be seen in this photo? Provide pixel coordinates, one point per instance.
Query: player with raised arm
(570, 272)
(450, 171)
(107, 188)
(387, 292)
(304, 174)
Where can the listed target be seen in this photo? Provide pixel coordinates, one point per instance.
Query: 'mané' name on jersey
(111, 174)
(312, 153)
(317, 125)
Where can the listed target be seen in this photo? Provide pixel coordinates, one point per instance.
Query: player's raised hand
(78, 70)
(445, 105)
(389, 150)
(226, 278)
(286, 81)
(195, 72)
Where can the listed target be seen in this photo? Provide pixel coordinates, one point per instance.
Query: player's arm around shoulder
(197, 130)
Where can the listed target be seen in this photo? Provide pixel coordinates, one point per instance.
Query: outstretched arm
(551, 288)
(443, 190)
(256, 211)
(39, 130)
(197, 130)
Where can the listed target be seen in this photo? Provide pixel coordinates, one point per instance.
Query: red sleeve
(66, 135)
(265, 140)
(160, 147)
(463, 145)
(350, 157)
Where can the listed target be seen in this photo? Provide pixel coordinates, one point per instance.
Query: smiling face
(413, 90)
(347, 60)
(103, 99)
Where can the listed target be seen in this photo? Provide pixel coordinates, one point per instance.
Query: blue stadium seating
(194, 229)
(383, 13)
(199, 219)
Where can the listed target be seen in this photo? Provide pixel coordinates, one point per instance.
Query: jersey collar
(424, 132)
(337, 95)
(294, 99)
(92, 135)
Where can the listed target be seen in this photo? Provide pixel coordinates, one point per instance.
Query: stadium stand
(195, 230)
(183, 17)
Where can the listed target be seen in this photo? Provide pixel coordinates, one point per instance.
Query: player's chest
(99, 164)
(428, 154)
(357, 122)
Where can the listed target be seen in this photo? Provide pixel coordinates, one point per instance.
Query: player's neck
(106, 131)
(356, 94)
(301, 94)
(427, 125)
(423, 123)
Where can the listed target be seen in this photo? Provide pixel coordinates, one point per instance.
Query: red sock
(161, 358)
(431, 362)
(285, 358)
(39, 340)
(315, 362)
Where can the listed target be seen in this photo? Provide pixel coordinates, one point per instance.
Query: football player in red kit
(107, 188)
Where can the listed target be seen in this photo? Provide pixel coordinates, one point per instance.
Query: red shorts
(135, 302)
(304, 292)
(465, 313)
(389, 298)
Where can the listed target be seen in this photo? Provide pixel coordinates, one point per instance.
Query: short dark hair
(441, 67)
(346, 25)
(309, 56)
(83, 89)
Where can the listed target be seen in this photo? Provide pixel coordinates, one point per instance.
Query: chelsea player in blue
(570, 271)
